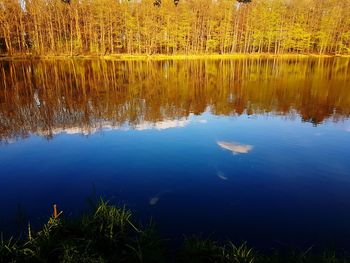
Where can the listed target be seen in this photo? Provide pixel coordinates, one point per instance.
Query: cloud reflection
(234, 147)
(221, 175)
(203, 121)
(162, 125)
(109, 126)
(154, 200)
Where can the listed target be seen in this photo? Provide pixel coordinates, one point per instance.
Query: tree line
(97, 27)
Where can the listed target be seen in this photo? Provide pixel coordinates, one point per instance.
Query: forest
(102, 27)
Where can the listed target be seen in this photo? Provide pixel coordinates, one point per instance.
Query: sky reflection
(286, 121)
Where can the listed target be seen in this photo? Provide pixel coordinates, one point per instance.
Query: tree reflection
(43, 96)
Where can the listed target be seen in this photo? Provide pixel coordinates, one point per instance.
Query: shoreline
(108, 233)
(157, 57)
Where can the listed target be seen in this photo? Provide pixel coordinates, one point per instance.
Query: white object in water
(234, 147)
(221, 175)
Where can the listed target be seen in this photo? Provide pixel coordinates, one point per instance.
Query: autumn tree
(98, 27)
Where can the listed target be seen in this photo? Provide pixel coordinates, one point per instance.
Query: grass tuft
(108, 234)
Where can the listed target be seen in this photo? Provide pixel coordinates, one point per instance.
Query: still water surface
(253, 150)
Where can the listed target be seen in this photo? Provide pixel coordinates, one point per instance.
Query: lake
(246, 149)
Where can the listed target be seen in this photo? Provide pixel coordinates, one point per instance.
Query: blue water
(292, 186)
(266, 177)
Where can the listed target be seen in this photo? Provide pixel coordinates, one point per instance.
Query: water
(253, 150)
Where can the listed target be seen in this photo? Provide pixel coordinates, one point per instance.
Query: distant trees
(75, 27)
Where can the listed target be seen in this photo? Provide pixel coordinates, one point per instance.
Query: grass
(109, 234)
(142, 57)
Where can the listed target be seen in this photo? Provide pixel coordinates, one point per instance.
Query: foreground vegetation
(100, 27)
(109, 234)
